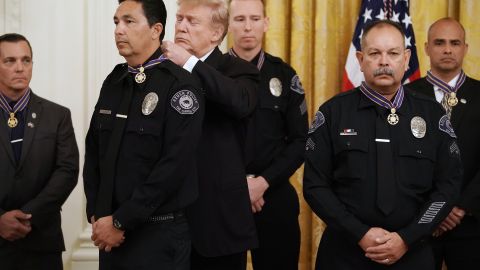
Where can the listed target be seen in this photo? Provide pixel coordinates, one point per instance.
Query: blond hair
(219, 11)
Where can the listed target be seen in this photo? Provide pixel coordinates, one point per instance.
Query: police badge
(418, 126)
(275, 87)
(149, 103)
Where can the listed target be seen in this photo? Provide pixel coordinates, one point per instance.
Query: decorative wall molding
(2, 17)
(85, 257)
(13, 16)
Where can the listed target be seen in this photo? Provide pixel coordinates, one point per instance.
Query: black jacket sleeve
(239, 98)
(318, 180)
(447, 181)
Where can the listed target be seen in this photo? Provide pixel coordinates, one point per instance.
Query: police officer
(277, 141)
(140, 170)
(460, 96)
(382, 165)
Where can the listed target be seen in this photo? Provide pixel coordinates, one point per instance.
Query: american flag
(373, 10)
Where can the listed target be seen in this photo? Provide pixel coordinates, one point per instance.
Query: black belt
(166, 217)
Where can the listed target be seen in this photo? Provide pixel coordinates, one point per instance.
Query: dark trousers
(237, 261)
(460, 247)
(14, 258)
(164, 245)
(339, 252)
(278, 231)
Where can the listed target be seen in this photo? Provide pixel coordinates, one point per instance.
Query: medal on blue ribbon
(452, 99)
(371, 94)
(139, 72)
(21, 104)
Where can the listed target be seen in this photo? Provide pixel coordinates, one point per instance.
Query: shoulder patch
(446, 126)
(318, 121)
(185, 102)
(296, 85)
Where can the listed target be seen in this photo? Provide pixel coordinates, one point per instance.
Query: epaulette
(420, 96)
(182, 76)
(272, 58)
(347, 93)
(118, 73)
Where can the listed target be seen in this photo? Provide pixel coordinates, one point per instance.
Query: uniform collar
(365, 102)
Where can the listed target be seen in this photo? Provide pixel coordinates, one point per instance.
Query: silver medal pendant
(393, 118)
(418, 127)
(452, 99)
(149, 103)
(275, 86)
(140, 77)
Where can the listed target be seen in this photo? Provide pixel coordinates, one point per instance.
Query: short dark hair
(380, 23)
(154, 11)
(14, 37)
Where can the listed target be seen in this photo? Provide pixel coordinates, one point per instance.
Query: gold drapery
(314, 37)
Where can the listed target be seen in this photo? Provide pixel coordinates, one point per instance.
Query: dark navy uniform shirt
(280, 123)
(155, 172)
(340, 181)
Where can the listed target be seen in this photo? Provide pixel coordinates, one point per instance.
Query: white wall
(73, 51)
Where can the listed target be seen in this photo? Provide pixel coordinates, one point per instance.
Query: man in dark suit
(458, 236)
(38, 164)
(223, 228)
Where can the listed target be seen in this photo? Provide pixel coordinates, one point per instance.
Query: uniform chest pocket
(417, 164)
(351, 157)
(103, 127)
(271, 117)
(274, 104)
(143, 140)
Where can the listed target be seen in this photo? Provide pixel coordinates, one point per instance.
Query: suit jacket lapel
(426, 88)
(5, 137)
(31, 125)
(213, 59)
(464, 93)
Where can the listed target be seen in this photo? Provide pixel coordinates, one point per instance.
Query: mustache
(383, 71)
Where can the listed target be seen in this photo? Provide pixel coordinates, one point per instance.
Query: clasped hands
(104, 235)
(453, 219)
(256, 188)
(382, 246)
(15, 225)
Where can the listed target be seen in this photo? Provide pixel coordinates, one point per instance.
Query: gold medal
(12, 121)
(393, 118)
(141, 76)
(452, 99)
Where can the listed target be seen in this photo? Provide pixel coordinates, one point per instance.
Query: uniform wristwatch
(117, 224)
